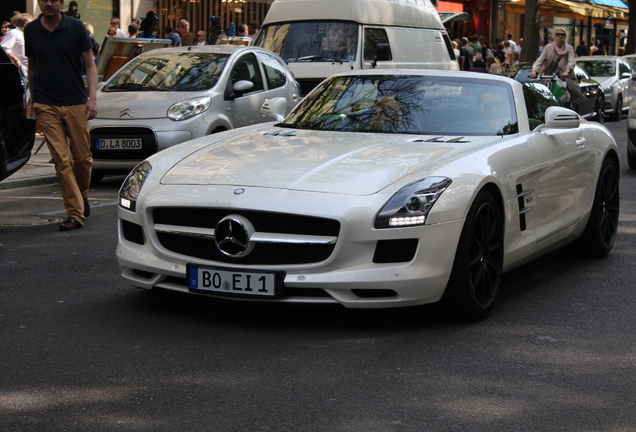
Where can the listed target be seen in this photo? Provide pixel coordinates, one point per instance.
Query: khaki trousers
(65, 130)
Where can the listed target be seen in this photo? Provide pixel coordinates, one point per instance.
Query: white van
(318, 38)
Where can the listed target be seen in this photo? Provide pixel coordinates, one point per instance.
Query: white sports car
(381, 189)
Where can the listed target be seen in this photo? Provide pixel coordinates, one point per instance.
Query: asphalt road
(82, 351)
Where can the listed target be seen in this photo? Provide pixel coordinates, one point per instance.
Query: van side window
(373, 37)
(246, 68)
(274, 71)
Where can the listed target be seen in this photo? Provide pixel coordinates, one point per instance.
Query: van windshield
(324, 41)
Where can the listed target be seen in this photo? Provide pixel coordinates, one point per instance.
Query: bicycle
(558, 87)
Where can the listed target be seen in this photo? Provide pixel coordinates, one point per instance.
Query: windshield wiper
(132, 86)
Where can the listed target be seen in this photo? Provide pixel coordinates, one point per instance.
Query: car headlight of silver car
(129, 191)
(411, 204)
(188, 108)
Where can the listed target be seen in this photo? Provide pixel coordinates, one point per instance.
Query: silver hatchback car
(171, 95)
(617, 81)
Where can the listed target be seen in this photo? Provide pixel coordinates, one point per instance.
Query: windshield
(311, 41)
(408, 104)
(187, 71)
(599, 68)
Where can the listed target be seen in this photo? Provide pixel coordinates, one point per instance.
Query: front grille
(394, 251)
(132, 232)
(308, 84)
(147, 136)
(263, 222)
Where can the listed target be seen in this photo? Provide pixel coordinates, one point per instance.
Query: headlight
(132, 186)
(607, 91)
(188, 108)
(411, 205)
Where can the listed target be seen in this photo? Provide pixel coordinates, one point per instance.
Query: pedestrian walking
(13, 41)
(56, 45)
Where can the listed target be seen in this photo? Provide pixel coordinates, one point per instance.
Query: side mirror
(243, 86)
(275, 108)
(561, 118)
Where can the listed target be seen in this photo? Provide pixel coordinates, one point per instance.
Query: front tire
(600, 232)
(477, 269)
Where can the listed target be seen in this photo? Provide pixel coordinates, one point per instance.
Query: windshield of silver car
(408, 104)
(599, 68)
(187, 71)
(323, 41)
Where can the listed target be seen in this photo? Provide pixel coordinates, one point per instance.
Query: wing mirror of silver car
(275, 108)
(242, 86)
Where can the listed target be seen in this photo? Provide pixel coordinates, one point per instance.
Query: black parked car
(594, 106)
(17, 131)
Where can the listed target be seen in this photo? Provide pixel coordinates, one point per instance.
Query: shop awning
(574, 10)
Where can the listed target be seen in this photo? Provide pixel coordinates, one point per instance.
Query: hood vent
(281, 132)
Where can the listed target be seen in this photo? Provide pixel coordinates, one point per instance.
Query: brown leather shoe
(71, 224)
(87, 208)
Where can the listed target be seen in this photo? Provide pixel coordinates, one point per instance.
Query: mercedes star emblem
(232, 236)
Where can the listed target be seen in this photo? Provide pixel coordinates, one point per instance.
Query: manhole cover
(28, 220)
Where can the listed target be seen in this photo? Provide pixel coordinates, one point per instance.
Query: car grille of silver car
(270, 253)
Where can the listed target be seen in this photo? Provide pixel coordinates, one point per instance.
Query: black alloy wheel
(477, 269)
(601, 229)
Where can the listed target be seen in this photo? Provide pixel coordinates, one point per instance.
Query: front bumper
(156, 135)
(350, 275)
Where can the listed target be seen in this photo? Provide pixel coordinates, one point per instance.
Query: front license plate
(232, 282)
(118, 144)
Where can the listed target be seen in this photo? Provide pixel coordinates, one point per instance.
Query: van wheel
(478, 265)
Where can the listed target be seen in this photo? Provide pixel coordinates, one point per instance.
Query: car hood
(605, 81)
(131, 105)
(331, 162)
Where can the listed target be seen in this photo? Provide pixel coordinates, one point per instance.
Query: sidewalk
(37, 171)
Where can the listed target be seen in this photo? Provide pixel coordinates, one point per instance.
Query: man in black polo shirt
(55, 45)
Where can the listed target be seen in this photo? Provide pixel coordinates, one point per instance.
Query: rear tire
(477, 269)
(600, 232)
